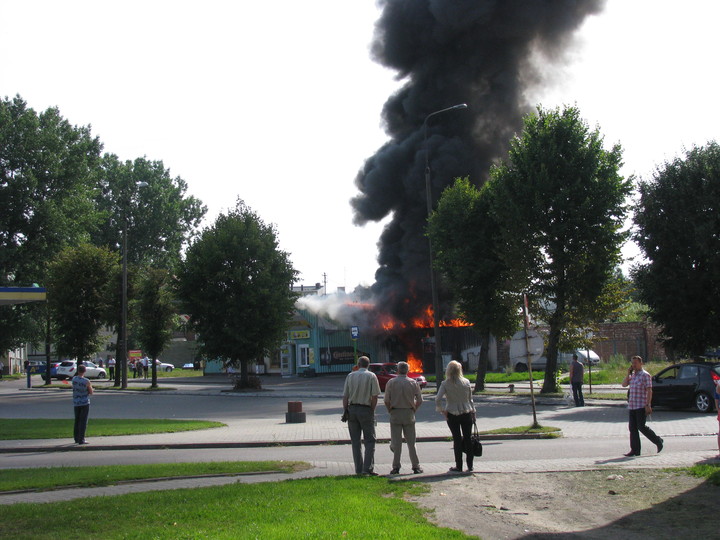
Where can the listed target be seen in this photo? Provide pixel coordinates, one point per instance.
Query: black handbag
(475, 444)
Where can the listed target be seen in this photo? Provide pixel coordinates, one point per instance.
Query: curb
(255, 444)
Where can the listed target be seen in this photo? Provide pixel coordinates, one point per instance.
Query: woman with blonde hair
(459, 412)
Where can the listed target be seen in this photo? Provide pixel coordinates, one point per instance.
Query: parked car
(387, 371)
(68, 368)
(38, 367)
(563, 360)
(685, 385)
(163, 366)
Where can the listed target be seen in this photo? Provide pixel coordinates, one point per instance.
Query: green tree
(141, 198)
(678, 230)
(79, 284)
(48, 170)
(237, 287)
(465, 238)
(155, 314)
(560, 201)
(161, 218)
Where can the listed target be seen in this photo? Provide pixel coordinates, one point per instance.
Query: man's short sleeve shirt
(361, 386)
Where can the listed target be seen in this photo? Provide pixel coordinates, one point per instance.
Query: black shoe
(396, 471)
(371, 473)
(660, 445)
(417, 470)
(631, 454)
(454, 469)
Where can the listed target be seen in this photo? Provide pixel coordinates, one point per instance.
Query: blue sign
(355, 332)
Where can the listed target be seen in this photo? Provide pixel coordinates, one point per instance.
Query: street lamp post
(433, 286)
(123, 359)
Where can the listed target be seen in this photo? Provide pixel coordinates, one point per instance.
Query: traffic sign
(355, 332)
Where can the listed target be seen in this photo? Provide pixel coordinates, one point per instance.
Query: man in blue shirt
(82, 389)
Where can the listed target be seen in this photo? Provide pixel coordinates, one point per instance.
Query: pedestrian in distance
(459, 412)
(577, 371)
(82, 390)
(111, 367)
(2, 368)
(639, 406)
(360, 396)
(402, 398)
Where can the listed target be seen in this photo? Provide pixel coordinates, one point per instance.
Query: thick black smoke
(449, 52)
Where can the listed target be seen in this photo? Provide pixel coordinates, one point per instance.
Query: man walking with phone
(639, 406)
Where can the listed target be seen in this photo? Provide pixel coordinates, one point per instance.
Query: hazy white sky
(279, 103)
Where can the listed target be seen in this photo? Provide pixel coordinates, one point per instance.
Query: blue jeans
(81, 420)
(361, 422)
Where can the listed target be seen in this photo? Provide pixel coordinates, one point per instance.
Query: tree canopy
(678, 230)
(79, 283)
(155, 314)
(236, 284)
(560, 202)
(48, 169)
(465, 237)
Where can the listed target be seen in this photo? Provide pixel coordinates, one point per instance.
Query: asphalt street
(594, 436)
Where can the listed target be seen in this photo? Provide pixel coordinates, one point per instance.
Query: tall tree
(48, 170)
(560, 201)
(79, 284)
(465, 237)
(140, 199)
(678, 229)
(155, 314)
(236, 284)
(161, 218)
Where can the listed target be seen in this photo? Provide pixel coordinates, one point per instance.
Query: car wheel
(703, 403)
(102, 375)
(520, 367)
(168, 369)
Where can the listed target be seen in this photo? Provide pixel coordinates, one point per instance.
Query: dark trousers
(361, 422)
(578, 394)
(636, 425)
(461, 429)
(81, 420)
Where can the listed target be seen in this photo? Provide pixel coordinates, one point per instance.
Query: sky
(278, 103)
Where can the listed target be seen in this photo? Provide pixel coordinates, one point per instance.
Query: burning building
(486, 53)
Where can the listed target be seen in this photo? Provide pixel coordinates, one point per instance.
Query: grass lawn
(44, 478)
(62, 428)
(335, 507)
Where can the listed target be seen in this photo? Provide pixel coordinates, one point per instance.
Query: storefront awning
(21, 295)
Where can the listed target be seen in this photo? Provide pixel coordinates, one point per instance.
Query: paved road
(594, 436)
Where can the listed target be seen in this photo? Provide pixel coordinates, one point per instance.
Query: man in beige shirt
(402, 398)
(360, 396)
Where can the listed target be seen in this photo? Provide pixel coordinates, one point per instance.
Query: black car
(687, 385)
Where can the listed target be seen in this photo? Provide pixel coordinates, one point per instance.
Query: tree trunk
(550, 381)
(482, 361)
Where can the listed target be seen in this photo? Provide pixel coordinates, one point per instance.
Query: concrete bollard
(295, 415)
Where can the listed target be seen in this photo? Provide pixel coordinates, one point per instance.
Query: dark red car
(387, 371)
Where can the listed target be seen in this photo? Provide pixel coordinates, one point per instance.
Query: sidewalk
(261, 423)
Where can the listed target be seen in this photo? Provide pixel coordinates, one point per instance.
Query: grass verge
(524, 430)
(339, 507)
(45, 478)
(62, 428)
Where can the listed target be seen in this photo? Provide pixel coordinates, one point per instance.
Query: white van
(564, 359)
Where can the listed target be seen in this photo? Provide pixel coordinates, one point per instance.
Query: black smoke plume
(449, 52)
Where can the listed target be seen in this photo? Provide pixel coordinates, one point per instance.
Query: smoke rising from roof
(449, 52)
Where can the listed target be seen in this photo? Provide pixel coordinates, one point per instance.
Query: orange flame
(415, 363)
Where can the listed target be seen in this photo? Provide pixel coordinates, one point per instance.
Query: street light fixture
(433, 287)
(123, 317)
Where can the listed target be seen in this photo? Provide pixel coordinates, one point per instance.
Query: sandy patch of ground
(589, 504)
